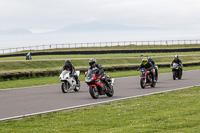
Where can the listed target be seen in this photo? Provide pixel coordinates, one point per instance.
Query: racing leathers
(100, 71)
(71, 68)
(179, 62)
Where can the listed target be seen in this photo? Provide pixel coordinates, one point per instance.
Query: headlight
(88, 79)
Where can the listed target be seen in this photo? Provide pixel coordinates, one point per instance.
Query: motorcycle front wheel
(94, 92)
(65, 87)
(142, 83)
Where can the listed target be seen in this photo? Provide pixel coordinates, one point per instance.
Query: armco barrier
(57, 72)
(100, 44)
(108, 52)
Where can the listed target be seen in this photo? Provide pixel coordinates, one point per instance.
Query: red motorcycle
(146, 78)
(97, 86)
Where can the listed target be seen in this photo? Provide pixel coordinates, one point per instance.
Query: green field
(100, 56)
(176, 112)
(79, 63)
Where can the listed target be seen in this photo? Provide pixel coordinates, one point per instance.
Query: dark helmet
(150, 58)
(92, 62)
(68, 62)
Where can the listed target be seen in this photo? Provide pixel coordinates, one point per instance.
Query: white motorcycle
(68, 82)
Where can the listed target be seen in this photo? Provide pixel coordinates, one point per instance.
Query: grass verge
(18, 66)
(55, 79)
(176, 111)
(98, 56)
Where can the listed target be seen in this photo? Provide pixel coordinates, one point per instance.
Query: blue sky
(143, 19)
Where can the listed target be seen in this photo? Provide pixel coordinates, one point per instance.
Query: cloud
(49, 15)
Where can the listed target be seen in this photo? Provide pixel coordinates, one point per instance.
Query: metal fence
(98, 44)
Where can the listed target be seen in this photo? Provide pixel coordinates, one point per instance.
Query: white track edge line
(85, 105)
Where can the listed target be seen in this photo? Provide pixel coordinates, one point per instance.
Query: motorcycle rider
(153, 63)
(28, 56)
(147, 65)
(178, 61)
(70, 67)
(93, 63)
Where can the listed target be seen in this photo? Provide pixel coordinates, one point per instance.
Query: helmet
(92, 62)
(150, 58)
(144, 61)
(176, 57)
(68, 62)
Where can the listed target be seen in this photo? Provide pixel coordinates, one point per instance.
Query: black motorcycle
(177, 72)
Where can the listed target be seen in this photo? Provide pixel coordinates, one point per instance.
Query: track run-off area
(21, 102)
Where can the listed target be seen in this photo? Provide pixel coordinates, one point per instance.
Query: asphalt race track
(20, 102)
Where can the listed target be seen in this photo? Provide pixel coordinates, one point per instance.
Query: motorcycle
(176, 70)
(97, 86)
(28, 57)
(68, 82)
(146, 79)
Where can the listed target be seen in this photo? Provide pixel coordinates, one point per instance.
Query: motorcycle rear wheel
(156, 77)
(180, 75)
(111, 92)
(94, 92)
(142, 83)
(174, 75)
(77, 88)
(65, 87)
(153, 84)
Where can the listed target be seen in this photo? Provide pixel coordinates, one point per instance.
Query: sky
(35, 22)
